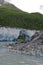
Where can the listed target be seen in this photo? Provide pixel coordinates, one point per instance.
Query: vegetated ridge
(11, 16)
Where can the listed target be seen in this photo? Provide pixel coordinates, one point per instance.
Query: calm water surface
(12, 58)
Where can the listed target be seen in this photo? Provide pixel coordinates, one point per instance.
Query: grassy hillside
(9, 5)
(13, 17)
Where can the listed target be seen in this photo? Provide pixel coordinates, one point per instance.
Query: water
(12, 58)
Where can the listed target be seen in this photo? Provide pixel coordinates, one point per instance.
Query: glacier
(11, 34)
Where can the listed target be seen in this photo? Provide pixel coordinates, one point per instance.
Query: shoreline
(32, 47)
(26, 50)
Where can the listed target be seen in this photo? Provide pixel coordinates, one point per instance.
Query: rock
(1, 1)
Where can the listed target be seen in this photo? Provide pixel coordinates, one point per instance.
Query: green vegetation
(21, 37)
(13, 17)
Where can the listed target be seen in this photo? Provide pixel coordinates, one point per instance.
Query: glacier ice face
(9, 34)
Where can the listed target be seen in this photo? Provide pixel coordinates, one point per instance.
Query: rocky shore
(32, 47)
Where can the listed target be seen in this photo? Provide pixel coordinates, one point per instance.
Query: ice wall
(9, 34)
